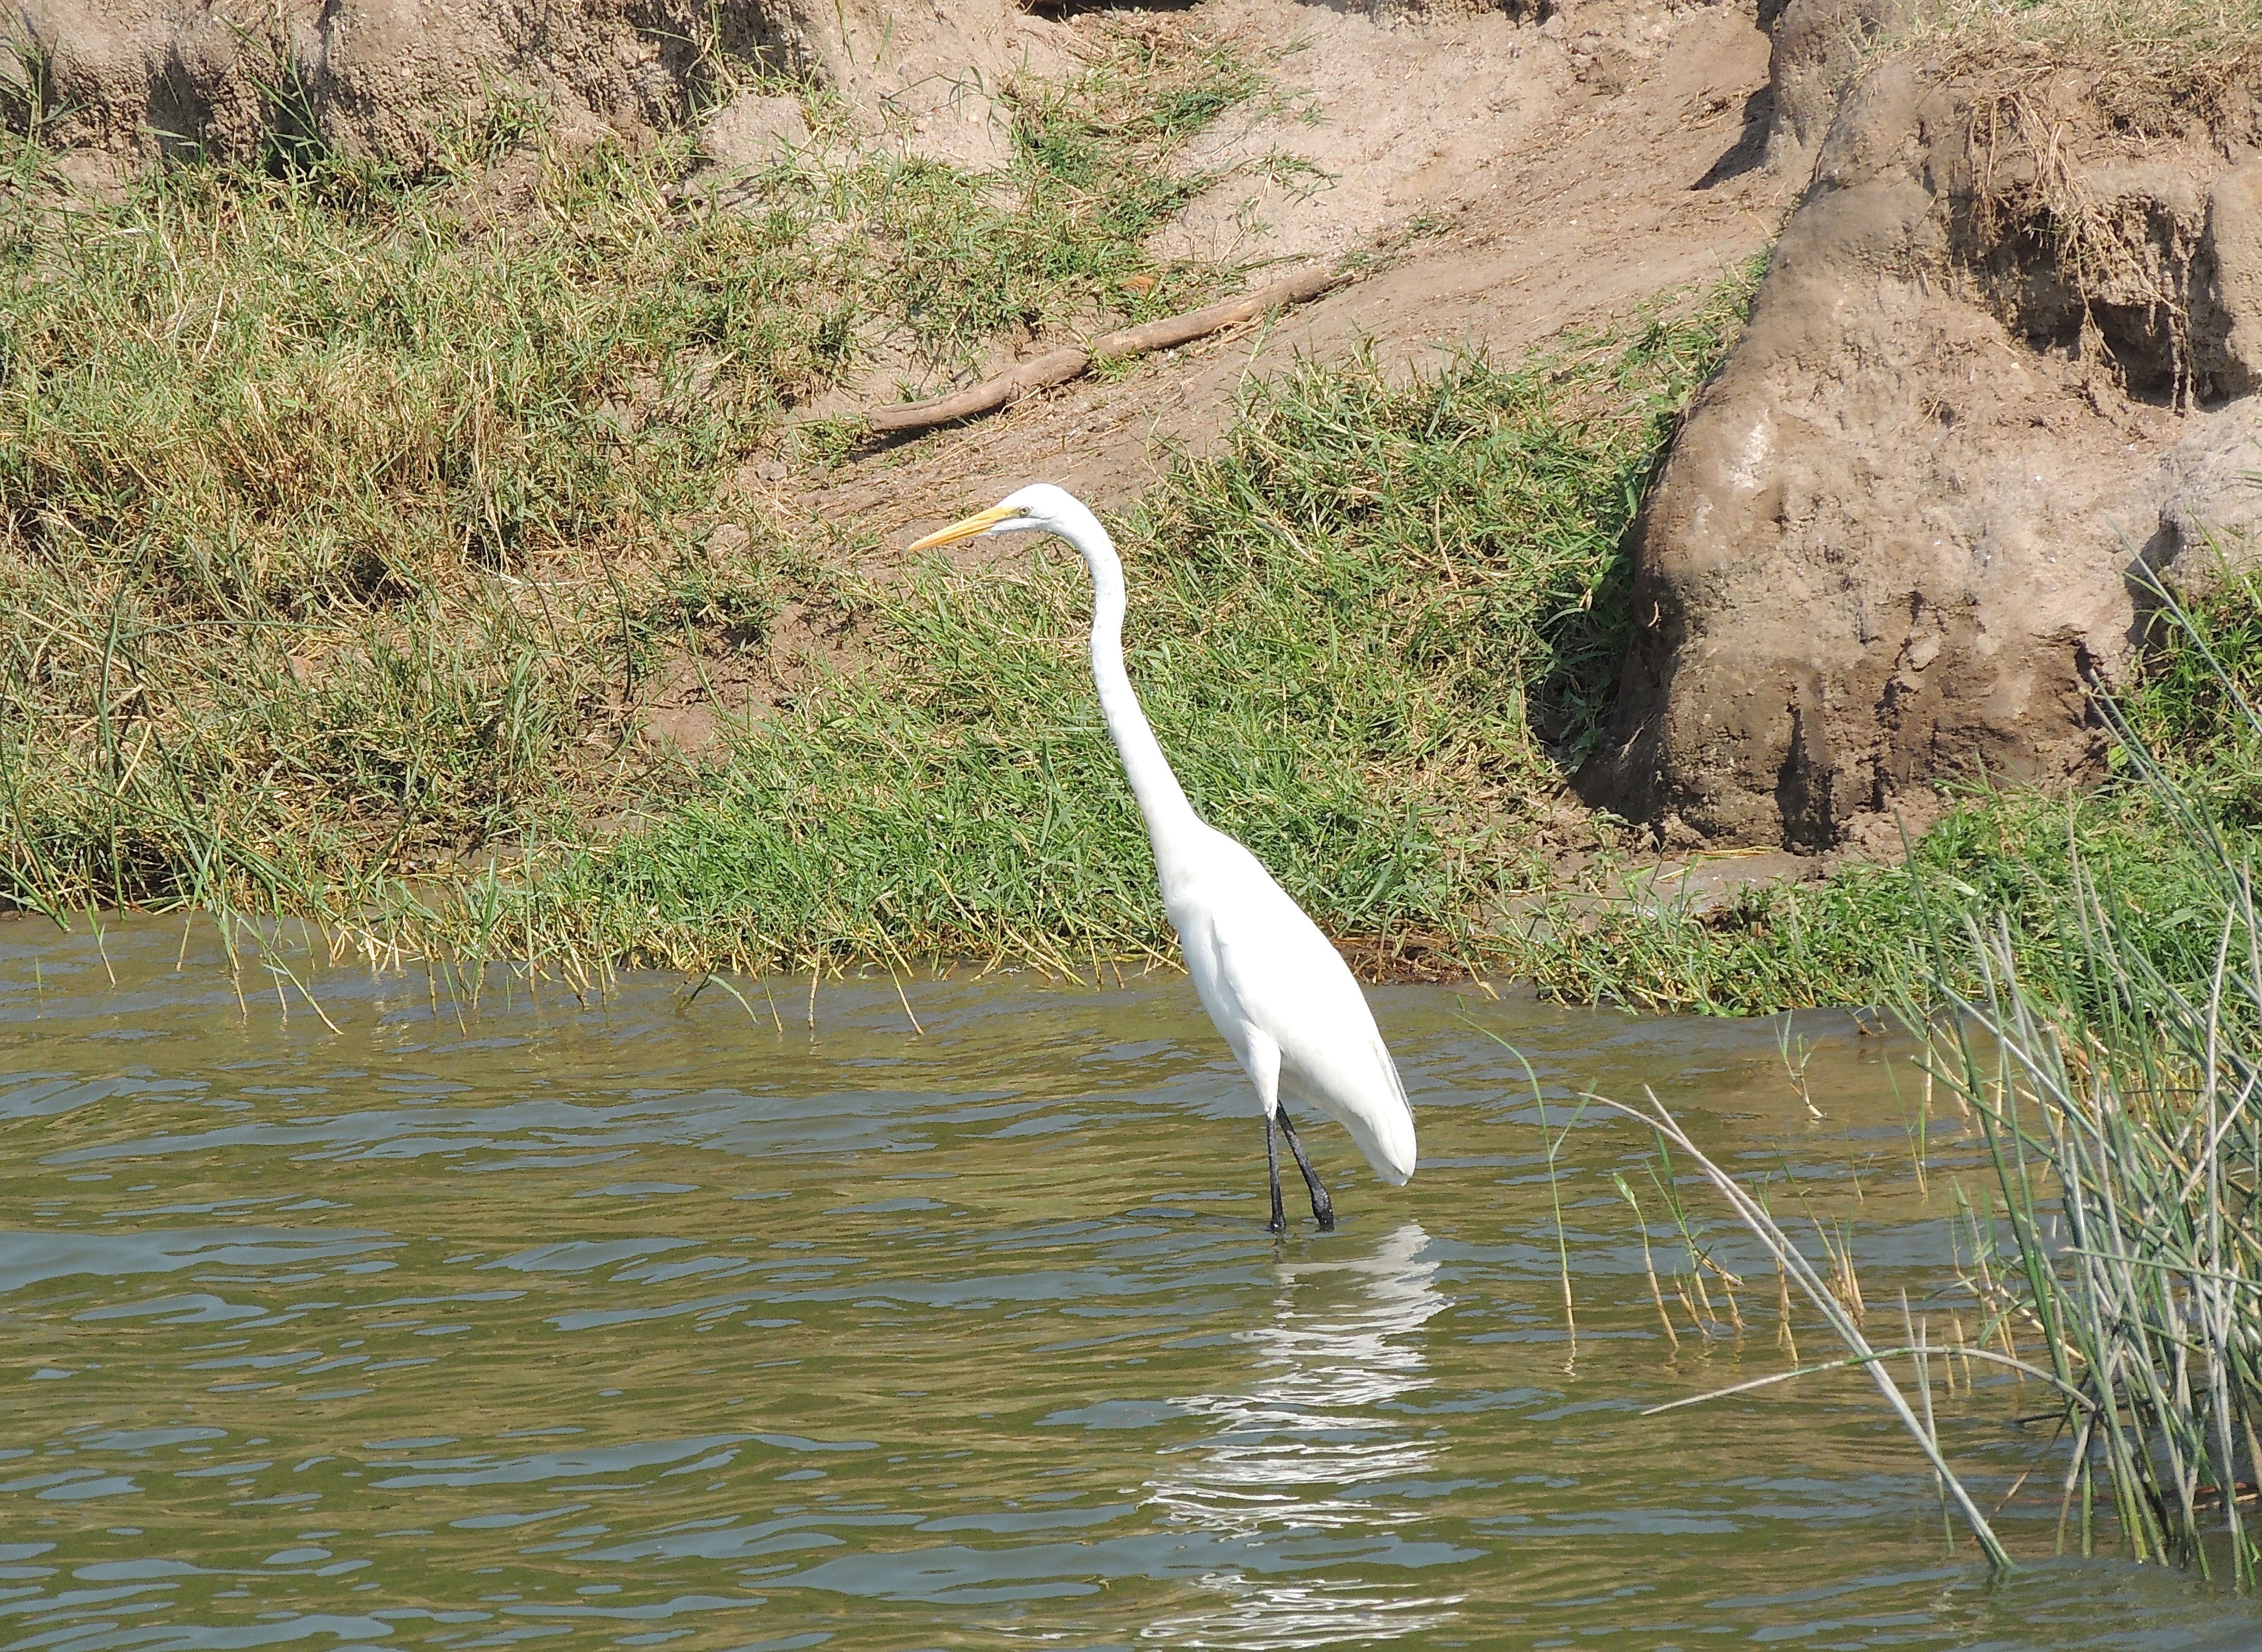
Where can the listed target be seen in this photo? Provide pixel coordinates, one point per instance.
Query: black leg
(1323, 1210)
(1279, 1223)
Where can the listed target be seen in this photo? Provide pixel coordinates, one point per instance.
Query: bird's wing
(1277, 972)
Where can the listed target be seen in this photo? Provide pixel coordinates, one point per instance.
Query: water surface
(629, 1323)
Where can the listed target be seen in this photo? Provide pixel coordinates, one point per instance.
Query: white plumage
(1277, 991)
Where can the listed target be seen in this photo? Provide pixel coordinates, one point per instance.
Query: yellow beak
(981, 522)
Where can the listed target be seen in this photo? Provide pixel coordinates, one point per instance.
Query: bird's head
(1039, 508)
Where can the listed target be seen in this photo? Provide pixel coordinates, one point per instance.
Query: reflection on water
(1310, 1447)
(636, 1325)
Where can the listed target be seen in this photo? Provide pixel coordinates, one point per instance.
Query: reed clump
(2116, 1068)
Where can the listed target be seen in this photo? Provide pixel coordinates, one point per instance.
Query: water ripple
(629, 1324)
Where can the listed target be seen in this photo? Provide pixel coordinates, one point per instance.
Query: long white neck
(1170, 816)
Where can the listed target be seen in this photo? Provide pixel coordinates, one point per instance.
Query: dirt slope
(1520, 177)
(122, 82)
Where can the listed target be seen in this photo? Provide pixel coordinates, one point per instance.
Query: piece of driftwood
(1058, 366)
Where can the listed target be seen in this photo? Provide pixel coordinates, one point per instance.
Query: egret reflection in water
(1299, 1459)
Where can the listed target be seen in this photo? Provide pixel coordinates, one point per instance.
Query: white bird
(1270, 980)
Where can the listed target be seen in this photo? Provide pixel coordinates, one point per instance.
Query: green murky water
(627, 1327)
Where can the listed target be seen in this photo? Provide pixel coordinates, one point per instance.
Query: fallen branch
(1058, 366)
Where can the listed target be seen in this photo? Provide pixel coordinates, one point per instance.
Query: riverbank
(481, 560)
(398, 575)
(352, 517)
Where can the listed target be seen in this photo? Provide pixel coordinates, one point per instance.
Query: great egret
(1276, 988)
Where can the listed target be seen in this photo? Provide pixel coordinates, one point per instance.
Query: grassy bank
(348, 520)
(344, 515)
(334, 574)
(1368, 630)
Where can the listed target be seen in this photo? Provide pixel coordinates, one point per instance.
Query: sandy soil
(1525, 178)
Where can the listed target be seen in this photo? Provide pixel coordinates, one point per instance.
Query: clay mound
(2004, 354)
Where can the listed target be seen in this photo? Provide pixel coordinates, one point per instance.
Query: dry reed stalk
(1819, 1293)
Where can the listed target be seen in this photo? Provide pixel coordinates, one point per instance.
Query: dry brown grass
(2151, 68)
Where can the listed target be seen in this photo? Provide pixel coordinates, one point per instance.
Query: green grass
(1370, 631)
